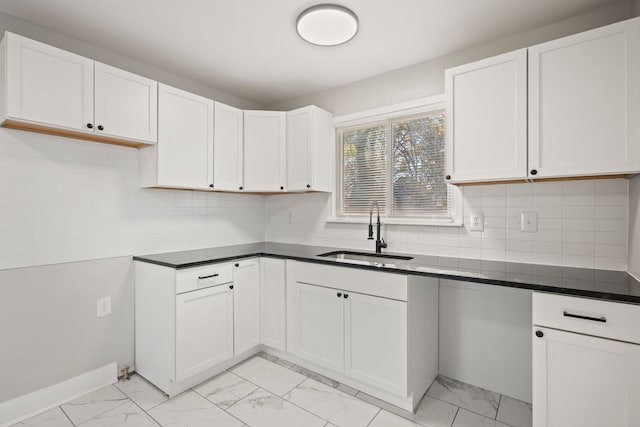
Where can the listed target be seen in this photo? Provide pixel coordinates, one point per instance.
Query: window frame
(387, 115)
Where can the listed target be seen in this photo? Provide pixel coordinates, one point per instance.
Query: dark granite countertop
(591, 283)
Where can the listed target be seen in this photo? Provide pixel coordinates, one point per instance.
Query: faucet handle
(383, 244)
(370, 232)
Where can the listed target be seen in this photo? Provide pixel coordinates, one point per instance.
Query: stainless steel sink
(364, 257)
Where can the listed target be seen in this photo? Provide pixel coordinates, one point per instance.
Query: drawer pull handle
(578, 316)
(208, 277)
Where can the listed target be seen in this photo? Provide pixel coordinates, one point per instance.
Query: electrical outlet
(104, 307)
(476, 222)
(529, 222)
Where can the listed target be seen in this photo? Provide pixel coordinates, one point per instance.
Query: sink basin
(363, 256)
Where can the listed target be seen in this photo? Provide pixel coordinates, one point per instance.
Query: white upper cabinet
(228, 146)
(486, 105)
(265, 139)
(584, 103)
(310, 150)
(45, 85)
(126, 105)
(183, 157)
(53, 91)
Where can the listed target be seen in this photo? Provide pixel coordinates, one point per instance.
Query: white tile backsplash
(580, 223)
(65, 200)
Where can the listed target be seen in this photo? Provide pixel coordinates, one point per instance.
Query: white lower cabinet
(209, 310)
(246, 304)
(273, 319)
(377, 332)
(195, 322)
(579, 379)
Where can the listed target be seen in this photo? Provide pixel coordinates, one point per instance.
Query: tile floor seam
(216, 405)
(101, 413)
(453, 421)
(374, 417)
(498, 407)
(460, 407)
(65, 414)
(145, 412)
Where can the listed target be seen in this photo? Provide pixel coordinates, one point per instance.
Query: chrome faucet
(380, 243)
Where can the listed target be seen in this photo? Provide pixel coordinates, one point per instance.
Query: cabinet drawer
(203, 277)
(587, 316)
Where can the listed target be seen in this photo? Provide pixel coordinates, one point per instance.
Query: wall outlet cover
(476, 221)
(103, 307)
(529, 222)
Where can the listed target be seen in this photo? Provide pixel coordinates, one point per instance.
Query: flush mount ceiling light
(327, 25)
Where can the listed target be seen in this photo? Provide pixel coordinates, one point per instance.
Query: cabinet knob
(339, 294)
(100, 127)
(230, 286)
(211, 185)
(239, 188)
(447, 177)
(308, 185)
(534, 172)
(237, 265)
(346, 296)
(539, 334)
(282, 188)
(90, 126)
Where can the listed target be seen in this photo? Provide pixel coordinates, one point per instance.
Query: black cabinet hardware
(578, 316)
(339, 294)
(237, 264)
(239, 188)
(447, 177)
(534, 172)
(100, 127)
(89, 125)
(230, 286)
(282, 188)
(346, 295)
(208, 277)
(211, 185)
(308, 185)
(539, 334)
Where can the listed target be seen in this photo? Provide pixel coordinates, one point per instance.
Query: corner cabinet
(584, 103)
(246, 305)
(265, 151)
(183, 157)
(486, 104)
(228, 143)
(586, 362)
(310, 150)
(53, 91)
(377, 332)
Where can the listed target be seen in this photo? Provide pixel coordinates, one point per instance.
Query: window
(396, 161)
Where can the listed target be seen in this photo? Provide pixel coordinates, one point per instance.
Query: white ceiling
(250, 48)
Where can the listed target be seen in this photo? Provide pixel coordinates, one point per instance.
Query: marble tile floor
(265, 391)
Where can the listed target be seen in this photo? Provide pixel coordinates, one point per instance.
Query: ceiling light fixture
(327, 25)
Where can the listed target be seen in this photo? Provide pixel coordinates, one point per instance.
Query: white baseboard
(28, 405)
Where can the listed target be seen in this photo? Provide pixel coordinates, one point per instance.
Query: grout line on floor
(498, 407)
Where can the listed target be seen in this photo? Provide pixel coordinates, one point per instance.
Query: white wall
(634, 226)
(42, 34)
(427, 78)
(580, 223)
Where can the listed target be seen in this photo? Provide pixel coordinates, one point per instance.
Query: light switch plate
(476, 221)
(103, 307)
(529, 222)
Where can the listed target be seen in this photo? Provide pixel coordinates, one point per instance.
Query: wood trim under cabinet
(568, 178)
(32, 127)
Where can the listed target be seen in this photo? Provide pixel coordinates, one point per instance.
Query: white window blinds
(397, 162)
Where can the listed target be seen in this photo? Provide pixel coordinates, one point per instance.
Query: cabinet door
(264, 150)
(246, 305)
(204, 329)
(320, 326)
(48, 85)
(272, 302)
(580, 380)
(126, 105)
(376, 341)
(228, 143)
(185, 139)
(300, 139)
(486, 102)
(584, 100)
